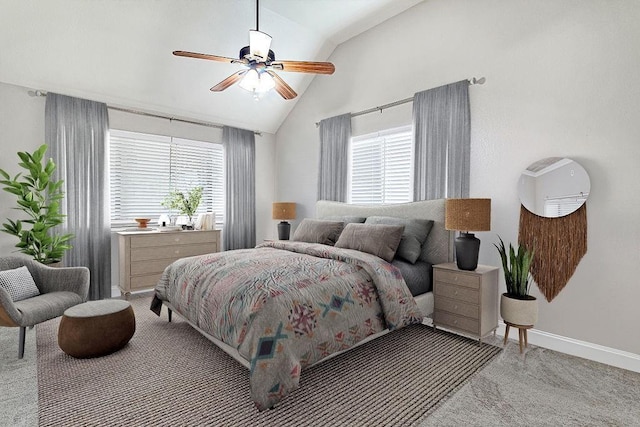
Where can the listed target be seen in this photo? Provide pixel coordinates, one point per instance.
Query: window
(381, 167)
(561, 206)
(144, 168)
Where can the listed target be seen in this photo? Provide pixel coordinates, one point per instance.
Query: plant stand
(522, 334)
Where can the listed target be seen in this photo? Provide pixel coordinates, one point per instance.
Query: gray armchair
(60, 288)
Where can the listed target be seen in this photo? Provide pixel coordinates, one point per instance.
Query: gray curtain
(76, 131)
(335, 133)
(441, 132)
(240, 216)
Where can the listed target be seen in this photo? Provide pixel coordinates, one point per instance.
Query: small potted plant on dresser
(517, 307)
(186, 204)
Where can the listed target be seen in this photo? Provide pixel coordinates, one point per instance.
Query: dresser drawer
(150, 267)
(442, 318)
(177, 238)
(170, 252)
(459, 293)
(457, 278)
(144, 282)
(457, 307)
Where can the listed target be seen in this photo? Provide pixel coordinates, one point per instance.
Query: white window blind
(561, 206)
(144, 168)
(381, 167)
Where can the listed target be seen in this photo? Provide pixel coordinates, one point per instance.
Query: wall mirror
(554, 187)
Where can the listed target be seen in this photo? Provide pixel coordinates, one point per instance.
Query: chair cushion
(46, 306)
(19, 283)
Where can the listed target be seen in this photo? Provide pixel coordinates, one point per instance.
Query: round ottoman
(96, 328)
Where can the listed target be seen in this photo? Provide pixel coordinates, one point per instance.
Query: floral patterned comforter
(286, 305)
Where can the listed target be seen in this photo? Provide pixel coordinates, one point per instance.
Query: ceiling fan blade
(203, 56)
(282, 87)
(228, 81)
(305, 67)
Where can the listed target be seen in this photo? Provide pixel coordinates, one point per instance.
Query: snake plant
(516, 266)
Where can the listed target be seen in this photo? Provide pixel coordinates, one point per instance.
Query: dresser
(143, 255)
(465, 301)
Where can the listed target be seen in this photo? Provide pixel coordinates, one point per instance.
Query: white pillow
(19, 283)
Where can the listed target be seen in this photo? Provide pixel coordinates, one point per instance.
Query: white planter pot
(518, 311)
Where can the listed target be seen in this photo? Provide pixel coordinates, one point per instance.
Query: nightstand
(466, 301)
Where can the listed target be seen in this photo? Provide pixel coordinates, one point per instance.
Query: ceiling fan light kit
(258, 61)
(256, 82)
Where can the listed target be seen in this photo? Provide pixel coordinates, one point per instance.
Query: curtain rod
(154, 115)
(568, 196)
(472, 81)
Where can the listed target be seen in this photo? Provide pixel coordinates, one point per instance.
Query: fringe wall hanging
(559, 244)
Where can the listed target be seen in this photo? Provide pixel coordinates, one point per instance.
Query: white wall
(21, 129)
(561, 81)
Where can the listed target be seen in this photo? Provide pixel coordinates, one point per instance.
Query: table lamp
(284, 211)
(466, 215)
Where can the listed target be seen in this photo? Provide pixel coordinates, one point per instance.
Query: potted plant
(184, 204)
(517, 307)
(39, 198)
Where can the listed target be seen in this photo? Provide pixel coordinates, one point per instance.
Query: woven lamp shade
(468, 214)
(284, 210)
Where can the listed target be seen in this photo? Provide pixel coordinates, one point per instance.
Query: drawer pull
(455, 292)
(455, 307)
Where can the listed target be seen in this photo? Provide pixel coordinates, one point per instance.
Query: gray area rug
(170, 375)
(18, 380)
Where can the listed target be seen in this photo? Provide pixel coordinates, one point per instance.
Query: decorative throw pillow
(19, 283)
(380, 240)
(318, 231)
(347, 219)
(415, 234)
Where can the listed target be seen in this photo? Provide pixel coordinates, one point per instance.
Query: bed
(287, 305)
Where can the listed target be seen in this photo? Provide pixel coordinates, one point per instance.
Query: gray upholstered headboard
(439, 244)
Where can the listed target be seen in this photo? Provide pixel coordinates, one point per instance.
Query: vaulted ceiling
(119, 51)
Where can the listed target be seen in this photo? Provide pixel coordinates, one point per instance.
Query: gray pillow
(347, 219)
(415, 234)
(318, 231)
(19, 283)
(380, 240)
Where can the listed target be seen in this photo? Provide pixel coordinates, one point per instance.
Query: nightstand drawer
(457, 307)
(456, 292)
(442, 318)
(457, 278)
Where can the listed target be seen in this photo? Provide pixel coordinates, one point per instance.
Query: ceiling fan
(258, 62)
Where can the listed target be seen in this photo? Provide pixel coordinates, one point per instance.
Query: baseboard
(586, 350)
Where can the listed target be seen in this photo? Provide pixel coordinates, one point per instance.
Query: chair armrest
(9, 314)
(56, 279)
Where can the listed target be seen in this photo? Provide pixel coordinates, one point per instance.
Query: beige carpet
(170, 375)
